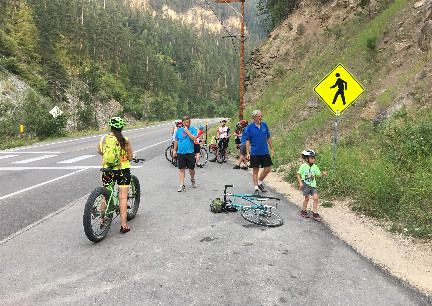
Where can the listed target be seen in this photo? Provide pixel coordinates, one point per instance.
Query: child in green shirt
(306, 176)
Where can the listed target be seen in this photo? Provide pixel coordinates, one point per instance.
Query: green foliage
(37, 119)
(384, 168)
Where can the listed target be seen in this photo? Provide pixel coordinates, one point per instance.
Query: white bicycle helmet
(308, 153)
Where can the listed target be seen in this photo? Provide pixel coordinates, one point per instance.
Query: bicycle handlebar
(138, 160)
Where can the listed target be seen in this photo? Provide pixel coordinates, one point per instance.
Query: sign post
(338, 90)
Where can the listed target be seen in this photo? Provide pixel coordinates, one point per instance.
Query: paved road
(179, 253)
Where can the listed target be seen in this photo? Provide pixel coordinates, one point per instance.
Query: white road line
(152, 145)
(29, 160)
(33, 152)
(73, 160)
(48, 168)
(7, 156)
(38, 185)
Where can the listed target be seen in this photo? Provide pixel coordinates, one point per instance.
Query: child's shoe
(316, 216)
(304, 213)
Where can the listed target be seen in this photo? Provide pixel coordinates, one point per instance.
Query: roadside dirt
(407, 259)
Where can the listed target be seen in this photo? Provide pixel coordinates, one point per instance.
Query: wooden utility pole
(242, 33)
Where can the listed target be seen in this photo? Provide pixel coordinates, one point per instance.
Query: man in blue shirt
(184, 151)
(258, 139)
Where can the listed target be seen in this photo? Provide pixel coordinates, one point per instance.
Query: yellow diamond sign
(339, 89)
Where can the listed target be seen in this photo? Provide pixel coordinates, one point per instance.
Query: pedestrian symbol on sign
(335, 92)
(342, 86)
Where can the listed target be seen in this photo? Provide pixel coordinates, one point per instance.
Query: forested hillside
(125, 57)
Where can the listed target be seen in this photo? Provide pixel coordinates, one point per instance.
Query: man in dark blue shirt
(258, 139)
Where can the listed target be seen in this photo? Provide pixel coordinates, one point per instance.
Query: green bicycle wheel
(133, 198)
(261, 217)
(96, 223)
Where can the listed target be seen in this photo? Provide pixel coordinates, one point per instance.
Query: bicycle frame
(257, 213)
(252, 198)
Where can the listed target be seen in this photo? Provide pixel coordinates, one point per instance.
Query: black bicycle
(98, 215)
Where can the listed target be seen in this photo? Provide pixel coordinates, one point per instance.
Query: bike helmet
(223, 120)
(116, 122)
(308, 153)
(244, 122)
(177, 122)
(200, 127)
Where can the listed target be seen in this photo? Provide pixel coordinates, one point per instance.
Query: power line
(229, 34)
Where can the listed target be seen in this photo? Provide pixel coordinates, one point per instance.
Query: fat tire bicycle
(257, 212)
(96, 219)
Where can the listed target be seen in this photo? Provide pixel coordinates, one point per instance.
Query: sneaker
(199, 166)
(262, 188)
(194, 184)
(304, 213)
(181, 188)
(245, 168)
(236, 167)
(316, 216)
(213, 160)
(256, 191)
(124, 229)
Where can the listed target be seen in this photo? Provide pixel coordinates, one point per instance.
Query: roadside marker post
(21, 128)
(338, 90)
(206, 132)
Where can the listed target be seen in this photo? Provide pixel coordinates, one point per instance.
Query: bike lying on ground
(257, 213)
(98, 215)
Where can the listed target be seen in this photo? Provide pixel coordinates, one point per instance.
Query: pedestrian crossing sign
(339, 89)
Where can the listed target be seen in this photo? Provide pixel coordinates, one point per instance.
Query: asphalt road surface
(178, 252)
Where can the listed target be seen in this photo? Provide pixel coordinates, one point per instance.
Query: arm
(322, 174)
(191, 136)
(247, 149)
(229, 135)
(299, 180)
(99, 150)
(271, 146)
(129, 150)
(175, 148)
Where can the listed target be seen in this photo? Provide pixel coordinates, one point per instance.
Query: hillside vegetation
(96, 59)
(384, 147)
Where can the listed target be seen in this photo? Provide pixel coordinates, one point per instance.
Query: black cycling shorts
(197, 148)
(223, 143)
(121, 177)
(186, 161)
(260, 160)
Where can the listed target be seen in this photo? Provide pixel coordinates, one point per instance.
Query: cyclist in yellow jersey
(122, 171)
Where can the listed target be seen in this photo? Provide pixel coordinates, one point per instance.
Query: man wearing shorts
(258, 139)
(184, 151)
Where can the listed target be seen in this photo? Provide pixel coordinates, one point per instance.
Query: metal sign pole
(335, 142)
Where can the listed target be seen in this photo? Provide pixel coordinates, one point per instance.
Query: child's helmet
(177, 122)
(238, 124)
(223, 120)
(116, 122)
(200, 127)
(244, 122)
(308, 153)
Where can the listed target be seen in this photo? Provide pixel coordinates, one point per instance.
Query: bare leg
(264, 173)
(315, 203)
(182, 176)
(305, 203)
(123, 192)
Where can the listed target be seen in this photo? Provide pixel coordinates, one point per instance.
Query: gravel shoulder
(407, 259)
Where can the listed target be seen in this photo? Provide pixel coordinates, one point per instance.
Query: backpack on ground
(216, 205)
(111, 151)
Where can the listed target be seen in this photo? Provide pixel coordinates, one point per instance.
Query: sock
(259, 182)
(256, 187)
